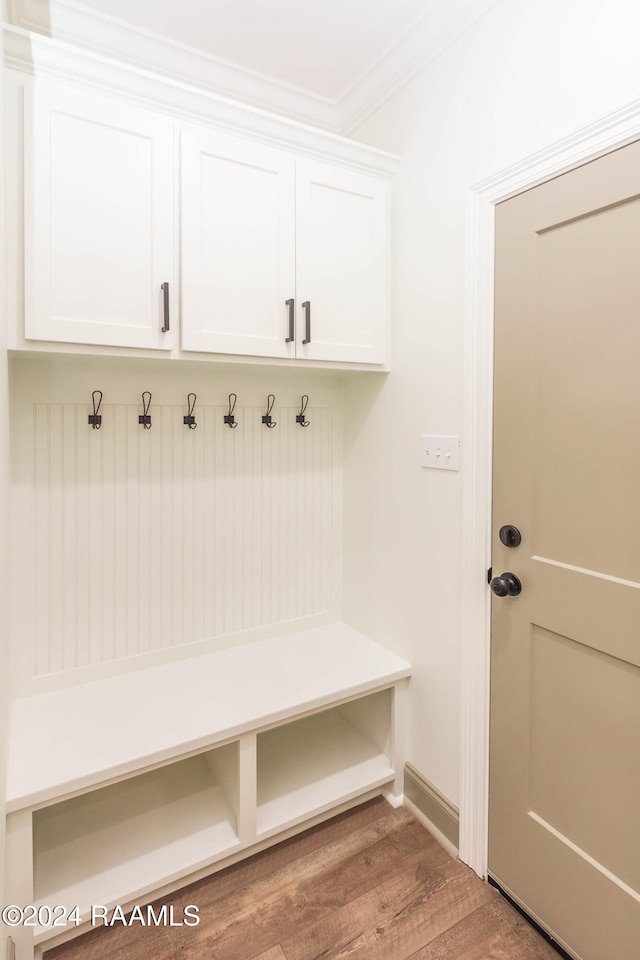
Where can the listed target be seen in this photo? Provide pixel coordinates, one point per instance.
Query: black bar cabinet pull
(306, 306)
(292, 306)
(165, 290)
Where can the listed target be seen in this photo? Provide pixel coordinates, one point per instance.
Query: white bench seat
(76, 738)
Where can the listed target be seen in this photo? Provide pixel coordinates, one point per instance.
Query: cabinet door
(342, 264)
(238, 259)
(99, 219)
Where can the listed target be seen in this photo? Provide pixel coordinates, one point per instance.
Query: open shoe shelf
(131, 835)
(311, 764)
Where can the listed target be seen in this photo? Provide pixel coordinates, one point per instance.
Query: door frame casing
(609, 133)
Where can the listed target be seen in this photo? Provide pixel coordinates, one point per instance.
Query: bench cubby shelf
(305, 765)
(109, 804)
(114, 839)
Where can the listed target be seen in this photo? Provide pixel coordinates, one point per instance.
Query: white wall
(527, 74)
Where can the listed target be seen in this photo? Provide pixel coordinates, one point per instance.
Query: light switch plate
(440, 453)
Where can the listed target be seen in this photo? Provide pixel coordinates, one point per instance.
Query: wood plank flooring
(371, 884)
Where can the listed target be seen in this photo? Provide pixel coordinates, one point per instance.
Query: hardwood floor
(372, 884)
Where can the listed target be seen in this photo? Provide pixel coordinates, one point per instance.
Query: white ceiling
(330, 63)
(320, 46)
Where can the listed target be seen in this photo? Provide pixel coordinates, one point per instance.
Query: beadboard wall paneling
(148, 540)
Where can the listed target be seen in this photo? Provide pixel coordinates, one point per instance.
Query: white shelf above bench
(120, 787)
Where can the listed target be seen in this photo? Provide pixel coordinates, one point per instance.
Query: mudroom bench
(123, 788)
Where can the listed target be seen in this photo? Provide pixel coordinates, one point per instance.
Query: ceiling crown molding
(442, 22)
(73, 23)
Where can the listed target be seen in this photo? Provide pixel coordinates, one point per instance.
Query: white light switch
(441, 453)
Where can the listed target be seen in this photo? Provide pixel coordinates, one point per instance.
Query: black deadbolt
(510, 535)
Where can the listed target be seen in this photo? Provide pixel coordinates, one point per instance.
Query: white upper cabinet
(99, 220)
(238, 254)
(210, 228)
(281, 257)
(342, 264)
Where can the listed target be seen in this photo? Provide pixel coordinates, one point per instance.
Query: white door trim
(613, 131)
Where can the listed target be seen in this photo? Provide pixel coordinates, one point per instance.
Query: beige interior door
(564, 835)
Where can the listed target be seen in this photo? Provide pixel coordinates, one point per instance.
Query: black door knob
(506, 585)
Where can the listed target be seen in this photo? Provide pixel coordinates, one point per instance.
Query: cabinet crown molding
(439, 24)
(43, 56)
